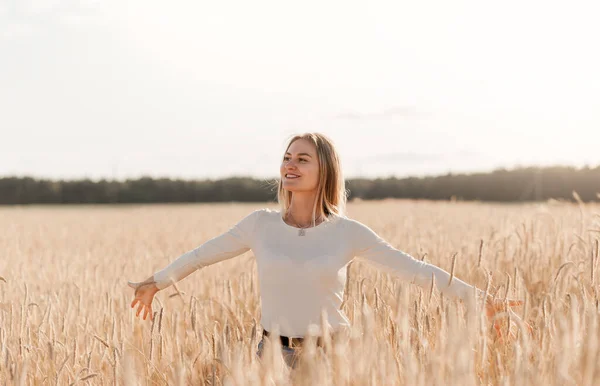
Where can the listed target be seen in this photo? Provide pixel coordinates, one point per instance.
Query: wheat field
(65, 317)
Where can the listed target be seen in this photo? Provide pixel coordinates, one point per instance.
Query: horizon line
(230, 176)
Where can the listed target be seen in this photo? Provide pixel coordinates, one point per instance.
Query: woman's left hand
(495, 306)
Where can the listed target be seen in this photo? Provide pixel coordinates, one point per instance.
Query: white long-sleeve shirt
(300, 275)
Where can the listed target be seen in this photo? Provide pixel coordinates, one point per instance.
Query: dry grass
(65, 316)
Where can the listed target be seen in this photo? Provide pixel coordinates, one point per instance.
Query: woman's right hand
(144, 293)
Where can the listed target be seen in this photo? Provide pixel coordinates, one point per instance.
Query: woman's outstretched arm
(369, 245)
(237, 240)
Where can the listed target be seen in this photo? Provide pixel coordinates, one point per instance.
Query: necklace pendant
(301, 232)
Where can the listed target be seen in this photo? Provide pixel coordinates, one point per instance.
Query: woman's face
(300, 160)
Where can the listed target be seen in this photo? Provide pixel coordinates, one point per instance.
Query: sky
(194, 89)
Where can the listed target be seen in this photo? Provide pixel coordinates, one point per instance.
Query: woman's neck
(301, 208)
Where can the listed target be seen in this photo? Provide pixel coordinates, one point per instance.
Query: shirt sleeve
(369, 245)
(237, 240)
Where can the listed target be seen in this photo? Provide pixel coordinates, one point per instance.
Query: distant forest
(501, 185)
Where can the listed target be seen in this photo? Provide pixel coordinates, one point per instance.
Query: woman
(302, 250)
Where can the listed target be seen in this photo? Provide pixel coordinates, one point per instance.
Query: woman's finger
(145, 313)
(139, 309)
(498, 328)
(133, 303)
(500, 303)
(525, 324)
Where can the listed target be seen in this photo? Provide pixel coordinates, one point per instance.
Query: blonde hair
(331, 190)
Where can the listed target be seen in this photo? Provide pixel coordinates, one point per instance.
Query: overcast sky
(197, 89)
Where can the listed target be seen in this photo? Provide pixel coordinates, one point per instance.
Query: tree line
(500, 185)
